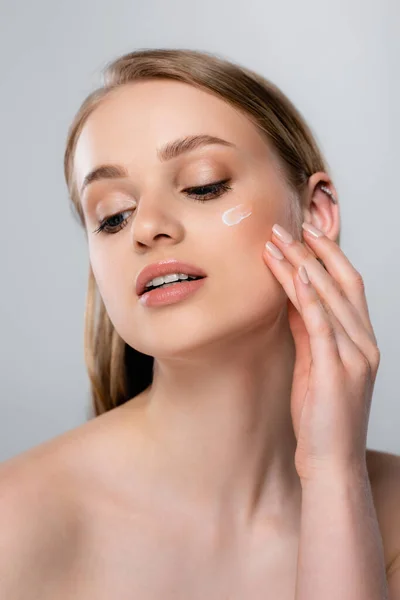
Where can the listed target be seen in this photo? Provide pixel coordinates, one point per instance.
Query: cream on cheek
(236, 214)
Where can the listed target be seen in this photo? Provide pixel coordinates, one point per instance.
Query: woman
(232, 402)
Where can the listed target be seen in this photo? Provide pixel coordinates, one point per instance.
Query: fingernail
(274, 250)
(303, 274)
(311, 229)
(282, 234)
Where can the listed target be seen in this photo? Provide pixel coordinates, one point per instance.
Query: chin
(189, 328)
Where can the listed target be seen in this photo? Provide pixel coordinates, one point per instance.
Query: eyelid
(106, 203)
(209, 183)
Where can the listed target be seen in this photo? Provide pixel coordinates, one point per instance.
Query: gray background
(338, 61)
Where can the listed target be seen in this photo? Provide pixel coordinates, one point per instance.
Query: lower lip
(172, 294)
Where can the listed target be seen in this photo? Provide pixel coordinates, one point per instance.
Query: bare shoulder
(45, 491)
(38, 522)
(50, 496)
(384, 475)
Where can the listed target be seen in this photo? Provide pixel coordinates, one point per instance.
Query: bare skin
(190, 490)
(73, 527)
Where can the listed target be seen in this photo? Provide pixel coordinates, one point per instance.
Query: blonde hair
(116, 371)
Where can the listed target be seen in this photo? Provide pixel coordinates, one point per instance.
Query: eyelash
(220, 186)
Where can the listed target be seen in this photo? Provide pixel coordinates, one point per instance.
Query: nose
(155, 222)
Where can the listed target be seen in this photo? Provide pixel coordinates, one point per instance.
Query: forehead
(137, 118)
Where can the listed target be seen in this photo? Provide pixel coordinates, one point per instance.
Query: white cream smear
(234, 215)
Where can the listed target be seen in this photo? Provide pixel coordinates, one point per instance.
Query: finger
(325, 322)
(324, 346)
(285, 273)
(330, 346)
(332, 295)
(282, 270)
(340, 268)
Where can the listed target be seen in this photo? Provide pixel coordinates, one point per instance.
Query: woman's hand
(337, 358)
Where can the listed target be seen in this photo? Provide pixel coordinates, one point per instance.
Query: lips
(165, 267)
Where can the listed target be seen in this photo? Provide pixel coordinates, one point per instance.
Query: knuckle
(375, 357)
(324, 329)
(359, 281)
(341, 291)
(331, 315)
(363, 367)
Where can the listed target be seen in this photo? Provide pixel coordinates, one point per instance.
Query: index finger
(341, 269)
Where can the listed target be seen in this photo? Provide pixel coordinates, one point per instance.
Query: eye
(203, 193)
(107, 224)
(213, 190)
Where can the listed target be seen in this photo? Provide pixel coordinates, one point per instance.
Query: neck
(223, 423)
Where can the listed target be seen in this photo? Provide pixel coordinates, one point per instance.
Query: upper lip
(165, 267)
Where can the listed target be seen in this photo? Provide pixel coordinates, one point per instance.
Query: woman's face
(163, 221)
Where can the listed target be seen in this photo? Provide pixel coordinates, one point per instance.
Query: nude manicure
(282, 234)
(311, 229)
(274, 250)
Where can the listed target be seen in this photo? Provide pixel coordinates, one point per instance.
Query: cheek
(110, 274)
(244, 227)
(244, 230)
(116, 290)
(249, 224)
(236, 214)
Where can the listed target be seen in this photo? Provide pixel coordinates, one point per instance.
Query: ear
(319, 209)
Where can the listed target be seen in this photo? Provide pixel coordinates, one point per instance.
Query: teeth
(166, 279)
(165, 285)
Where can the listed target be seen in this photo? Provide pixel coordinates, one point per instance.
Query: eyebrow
(168, 152)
